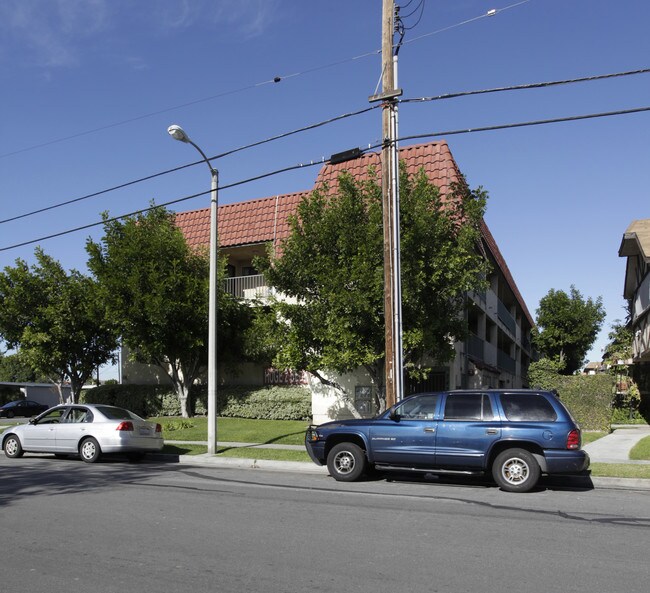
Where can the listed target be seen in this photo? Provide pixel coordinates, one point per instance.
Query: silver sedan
(85, 430)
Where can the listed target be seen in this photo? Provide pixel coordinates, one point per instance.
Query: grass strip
(641, 451)
(619, 470)
(243, 430)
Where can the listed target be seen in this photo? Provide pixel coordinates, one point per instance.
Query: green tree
(619, 346)
(567, 326)
(330, 273)
(156, 289)
(56, 320)
(14, 369)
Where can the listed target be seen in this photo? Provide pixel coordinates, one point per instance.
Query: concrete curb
(206, 460)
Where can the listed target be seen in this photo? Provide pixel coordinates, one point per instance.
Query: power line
(274, 80)
(526, 124)
(326, 122)
(323, 161)
(218, 156)
(534, 85)
(164, 204)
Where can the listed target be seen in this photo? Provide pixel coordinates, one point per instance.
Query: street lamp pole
(178, 133)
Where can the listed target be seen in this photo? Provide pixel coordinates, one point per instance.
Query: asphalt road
(70, 527)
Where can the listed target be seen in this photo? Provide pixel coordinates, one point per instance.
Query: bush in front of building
(267, 403)
(589, 398)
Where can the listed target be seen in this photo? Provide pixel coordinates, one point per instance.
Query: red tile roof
(265, 219)
(242, 223)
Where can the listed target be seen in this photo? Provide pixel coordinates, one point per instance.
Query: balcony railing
(475, 347)
(506, 363)
(247, 287)
(506, 318)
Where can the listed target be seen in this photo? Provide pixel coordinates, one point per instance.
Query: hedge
(588, 397)
(268, 403)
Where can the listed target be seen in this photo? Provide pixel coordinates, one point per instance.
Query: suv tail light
(573, 439)
(126, 425)
(158, 428)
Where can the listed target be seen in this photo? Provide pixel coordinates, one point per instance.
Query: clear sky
(89, 88)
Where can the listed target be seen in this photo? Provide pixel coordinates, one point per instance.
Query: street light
(178, 133)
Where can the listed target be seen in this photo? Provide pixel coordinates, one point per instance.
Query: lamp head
(177, 133)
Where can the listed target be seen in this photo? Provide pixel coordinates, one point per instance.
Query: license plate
(145, 431)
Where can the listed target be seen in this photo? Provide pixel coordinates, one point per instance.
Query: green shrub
(173, 425)
(588, 397)
(269, 403)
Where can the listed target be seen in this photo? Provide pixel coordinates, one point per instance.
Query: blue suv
(516, 435)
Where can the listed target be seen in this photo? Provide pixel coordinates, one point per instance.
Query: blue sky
(90, 87)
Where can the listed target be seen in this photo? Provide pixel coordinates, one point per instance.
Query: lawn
(591, 436)
(641, 450)
(243, 430)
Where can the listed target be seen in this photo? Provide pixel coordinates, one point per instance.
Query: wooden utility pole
(390, 202)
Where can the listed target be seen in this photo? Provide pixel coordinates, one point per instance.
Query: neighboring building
(635, 246)
(43, 393)
(498, 351)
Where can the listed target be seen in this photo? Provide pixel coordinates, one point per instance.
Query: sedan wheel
(13, 447)
(89, 450)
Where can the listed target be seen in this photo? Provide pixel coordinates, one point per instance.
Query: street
(68, 526)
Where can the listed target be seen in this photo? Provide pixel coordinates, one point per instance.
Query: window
(116, 413)
(527, 408)
(363, 399)
(418, 408)
(468, 406)
(53, 417)
(78, 415)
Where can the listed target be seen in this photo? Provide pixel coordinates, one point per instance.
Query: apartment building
(497, 352)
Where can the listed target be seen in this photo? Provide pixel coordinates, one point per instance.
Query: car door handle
(492, 431)
(429, 429)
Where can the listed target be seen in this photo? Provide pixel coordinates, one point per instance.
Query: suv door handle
(492, 431)
(429, 429)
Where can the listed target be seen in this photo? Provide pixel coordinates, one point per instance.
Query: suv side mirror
(395, 416)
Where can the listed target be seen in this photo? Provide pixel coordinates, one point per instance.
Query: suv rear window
(527, 408)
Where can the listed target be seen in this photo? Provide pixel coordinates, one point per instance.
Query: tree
(330, 272)
(156, 289)
(14, 369)
(567, 326)
(56, 320)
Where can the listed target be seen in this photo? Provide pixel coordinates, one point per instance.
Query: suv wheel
(516, 470)
(346, 462)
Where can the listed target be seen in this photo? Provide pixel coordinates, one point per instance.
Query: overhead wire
(323, 123)
(534, 85)
(323, 161)
(271, 81)
(175, 169)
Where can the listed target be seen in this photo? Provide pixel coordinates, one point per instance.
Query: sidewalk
(615, 447)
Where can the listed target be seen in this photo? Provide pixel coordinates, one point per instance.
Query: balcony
(247, 287)
(506, 318)
(506, 363)
(475, 347)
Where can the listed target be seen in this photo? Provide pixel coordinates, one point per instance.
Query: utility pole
(390, 203)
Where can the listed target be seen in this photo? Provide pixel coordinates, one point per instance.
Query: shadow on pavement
(577, 483)
(45, 474)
